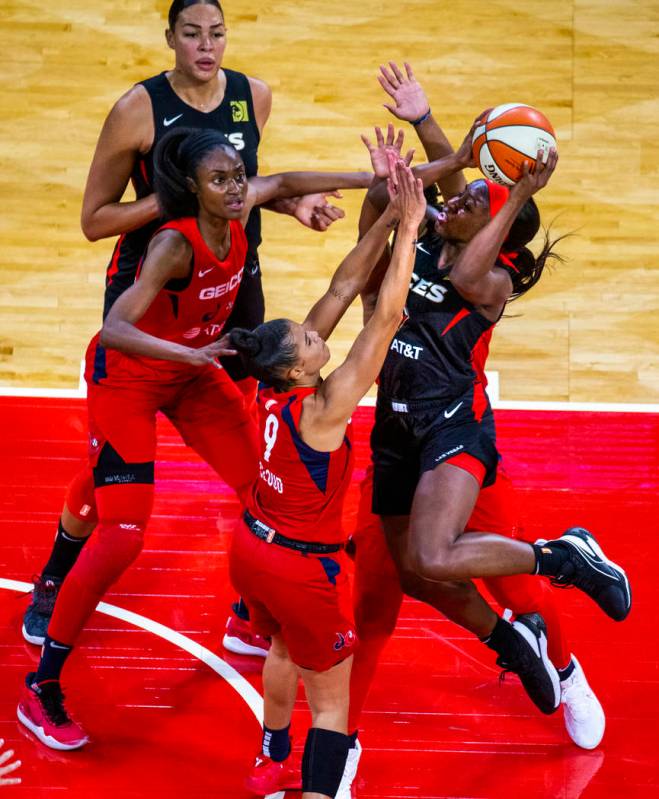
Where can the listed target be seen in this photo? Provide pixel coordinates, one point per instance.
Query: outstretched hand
(536, 178)
(315, 212)
(410, 101)
(7, 769)
(211, 352)
(406, 193)
(381, 151)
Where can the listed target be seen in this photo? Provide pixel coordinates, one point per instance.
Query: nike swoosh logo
(205, 271)
(167, 122)
(448, 414)
(420, 247)
(57, 646)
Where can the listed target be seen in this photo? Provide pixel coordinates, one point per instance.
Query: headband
(497, 195)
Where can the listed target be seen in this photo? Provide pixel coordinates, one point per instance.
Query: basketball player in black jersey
(197, 93)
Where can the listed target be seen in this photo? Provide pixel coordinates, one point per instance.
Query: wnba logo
(239, 111)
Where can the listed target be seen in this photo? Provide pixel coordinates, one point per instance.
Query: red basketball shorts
(303, 598)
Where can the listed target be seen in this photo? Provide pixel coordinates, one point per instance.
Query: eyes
(223, 181)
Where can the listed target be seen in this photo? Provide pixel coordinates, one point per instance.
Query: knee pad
(80, 498)
(324, 761)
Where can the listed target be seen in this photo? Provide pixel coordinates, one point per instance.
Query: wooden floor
(588, 332)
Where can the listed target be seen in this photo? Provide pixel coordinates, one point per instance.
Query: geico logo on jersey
(406, 350)
(213, 292)
(426, 288)
(237, 140)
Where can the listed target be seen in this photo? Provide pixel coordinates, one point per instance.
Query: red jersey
(189, 311)
(300, 491)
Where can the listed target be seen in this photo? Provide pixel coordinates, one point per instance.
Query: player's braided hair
(179, 5)
(267, 352)
(175, 162)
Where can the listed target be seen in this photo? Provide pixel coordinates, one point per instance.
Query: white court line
(244, 689)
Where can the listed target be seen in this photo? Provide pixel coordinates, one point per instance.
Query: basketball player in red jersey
(376, 603)
(287, 557)
(157, 351)
(199, 93)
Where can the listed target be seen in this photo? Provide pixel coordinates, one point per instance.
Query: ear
(294, 373)
(169, 38)
(192, 186)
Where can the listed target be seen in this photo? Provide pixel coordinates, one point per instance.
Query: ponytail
(267, 352)
(528, 267)
(175, 162)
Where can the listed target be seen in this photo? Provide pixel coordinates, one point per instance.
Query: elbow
(89, 228)
(107, 337)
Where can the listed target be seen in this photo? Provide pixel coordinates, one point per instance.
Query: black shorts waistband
(271, 536)
(415, 405)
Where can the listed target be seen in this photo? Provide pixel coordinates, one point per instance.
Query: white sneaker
(349, 772)
(583, 714)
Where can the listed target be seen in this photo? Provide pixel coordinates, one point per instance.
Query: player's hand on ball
(465, 152)
(380, 151)
(410, 101)
(536, 179)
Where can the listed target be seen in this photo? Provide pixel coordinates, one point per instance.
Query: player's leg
(123, 476)
(497, 509)
(75, 525)
(327, 745)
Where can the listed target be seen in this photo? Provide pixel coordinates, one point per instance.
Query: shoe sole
(238, 647)
(32, 639)
(582, 544)
(47, 740)
(541, 644)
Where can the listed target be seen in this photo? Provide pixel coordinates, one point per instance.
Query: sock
(503, 638)
(549, 559)
(53, 658)
(563, 674)
(276, 743)
(240, 609)
(353, 739)
(63, 555)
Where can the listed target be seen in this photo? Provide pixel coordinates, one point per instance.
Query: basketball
(507, 137)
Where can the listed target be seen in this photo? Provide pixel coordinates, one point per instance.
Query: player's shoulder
(133, 104)
(173, 243)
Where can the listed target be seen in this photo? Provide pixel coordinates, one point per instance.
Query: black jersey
(234, 117)
(440, 349)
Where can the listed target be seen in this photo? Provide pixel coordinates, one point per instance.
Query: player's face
(312, 351)
(221, 185)
(199, 40)
(463, 216)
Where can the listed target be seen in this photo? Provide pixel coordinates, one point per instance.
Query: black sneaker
(532, 665)
(38, 613)
(588, 568)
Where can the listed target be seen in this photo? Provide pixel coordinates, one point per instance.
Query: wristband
(415, 122)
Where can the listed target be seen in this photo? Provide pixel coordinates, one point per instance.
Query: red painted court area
(437, 724)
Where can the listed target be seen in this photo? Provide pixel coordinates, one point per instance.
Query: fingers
(379, 137)
(390, 134)
(408, 69)
(386, 85)
(11, 767)
(367, 142)
(5, 756)
(336, 194)
(399, 75)
(408, 157)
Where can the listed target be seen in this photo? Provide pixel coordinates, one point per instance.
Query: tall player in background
(287, 557)
(199, 93)
(157, 351)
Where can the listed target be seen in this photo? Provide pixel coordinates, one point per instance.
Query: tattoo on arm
(340, 297)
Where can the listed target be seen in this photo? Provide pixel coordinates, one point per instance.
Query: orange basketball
(507, 137)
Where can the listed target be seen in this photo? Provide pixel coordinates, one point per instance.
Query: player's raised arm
(325, 414)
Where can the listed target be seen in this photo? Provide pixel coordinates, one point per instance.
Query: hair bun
(245, 341)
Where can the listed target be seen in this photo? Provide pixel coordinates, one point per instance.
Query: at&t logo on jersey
(406, 350)
(213, 292)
